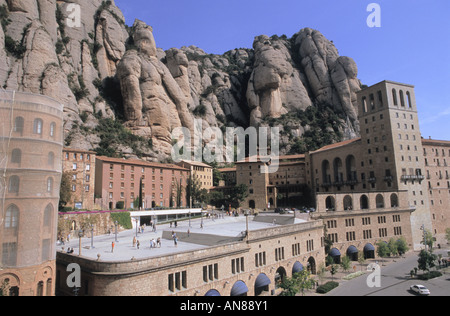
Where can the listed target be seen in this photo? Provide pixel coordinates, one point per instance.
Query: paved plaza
(215, 231)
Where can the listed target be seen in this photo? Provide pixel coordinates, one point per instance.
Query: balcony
(388, 178)
(412, 178)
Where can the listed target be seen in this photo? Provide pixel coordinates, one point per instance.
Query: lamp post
(80, 234)
(246, 223)
(92, 236)
(116, 223)
(136, 220)
(201, 214)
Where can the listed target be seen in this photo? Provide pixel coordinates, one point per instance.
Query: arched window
(364, 201)
(372, 102)
(14, 184)
(348, 203)
(338, 172)
(50, 185)
(16, 156)
(350, 165)
(380, 201)
(408, 97)
(364, 105)
(48, 216)
(330, 203)
(37, 126)
(380, 99)
(19, 124)
(51, 159)
(394, 200)
(402, 98)
(394, 96)
(52, 129)
(12, 217)
(326, 172)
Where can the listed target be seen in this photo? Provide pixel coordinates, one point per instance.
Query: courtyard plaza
(200, 234)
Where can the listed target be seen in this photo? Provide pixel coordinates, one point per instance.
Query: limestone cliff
(104, 71)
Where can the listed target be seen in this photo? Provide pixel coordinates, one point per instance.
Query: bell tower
(394, 157)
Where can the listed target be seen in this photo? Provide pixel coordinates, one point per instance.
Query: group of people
(153, 243)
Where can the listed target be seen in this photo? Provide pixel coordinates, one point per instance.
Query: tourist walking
(175, 239)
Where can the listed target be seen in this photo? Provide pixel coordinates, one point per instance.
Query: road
(395, 281)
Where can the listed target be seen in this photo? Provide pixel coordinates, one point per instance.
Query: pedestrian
(112, 247)
(175, 240)
(134, 241)
(158, 242)
(138, 244)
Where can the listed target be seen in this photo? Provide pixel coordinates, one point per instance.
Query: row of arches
(364, 202)
(15, 225)
(42, 287)
(369, 103)
(335, 172)
(353, 252)
(38, 127)
(14, 185)
(402, 98)
(262, 281)
(12, 217)
(17, 157)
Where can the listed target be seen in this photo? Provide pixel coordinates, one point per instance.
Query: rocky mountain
(123, 95)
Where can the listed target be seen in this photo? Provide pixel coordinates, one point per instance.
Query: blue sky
(411, 46)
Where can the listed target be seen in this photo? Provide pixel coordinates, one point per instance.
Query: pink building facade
(118, 184)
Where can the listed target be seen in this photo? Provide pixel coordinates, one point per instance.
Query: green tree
(328, 243)
(65, 193)
(333, 270)
(426, 260)
(345, 263)
(427, 239)
(178, 193)
(383, 249)
(393, 248)
(321, 272)
(299, 282)
(216, 198)
(402, 246)
(194, 190)
(238, 194)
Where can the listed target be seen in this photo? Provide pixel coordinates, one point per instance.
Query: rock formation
(152, 97)
(103, 69)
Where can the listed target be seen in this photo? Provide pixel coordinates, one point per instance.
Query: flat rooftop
(215, 231)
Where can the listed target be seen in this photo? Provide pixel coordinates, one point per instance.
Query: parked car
(420, 289)
(279, 210)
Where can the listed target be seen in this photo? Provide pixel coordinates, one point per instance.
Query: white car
(420, 289)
